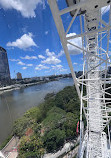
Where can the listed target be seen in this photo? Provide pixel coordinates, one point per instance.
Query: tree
(21, 125)
(31, 147)
(63, 97)
(54, 119)
(49, 124)
(49, 96)
(34, 113)
(73, 105)
(70, 125)
(54, 139)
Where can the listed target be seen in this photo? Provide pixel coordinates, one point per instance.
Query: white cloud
(25, 7)
(58, 68)
(75, 63)
(41, 67)
(75, 41)
(48, 71)
(105, 9)
(20, 63)
(46, 32)
(48, 53)
(41, 57)
(24, 42)
(24, 68)
(29, 57)
(24, 29)
(29, 65)
(61, 53)
(51, 59)
(14, 59)
(63, 70)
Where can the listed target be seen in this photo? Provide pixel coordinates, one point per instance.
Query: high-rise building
(19, 76)
(4, 67)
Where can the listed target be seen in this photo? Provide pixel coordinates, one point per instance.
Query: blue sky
(29, 35)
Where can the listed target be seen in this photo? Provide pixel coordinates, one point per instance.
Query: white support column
(94, 104)
(60, 28)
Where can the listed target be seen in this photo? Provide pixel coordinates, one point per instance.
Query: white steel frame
(94, 142)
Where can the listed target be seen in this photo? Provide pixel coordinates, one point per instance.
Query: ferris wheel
(96, 102)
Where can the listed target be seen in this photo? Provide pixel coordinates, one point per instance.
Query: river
(13, 104)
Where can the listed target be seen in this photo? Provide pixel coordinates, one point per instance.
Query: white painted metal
(94, 30)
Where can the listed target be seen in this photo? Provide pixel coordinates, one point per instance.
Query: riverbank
(70, 149)
(55, 119)
(10, 150)
(19, 86)
(20, 100)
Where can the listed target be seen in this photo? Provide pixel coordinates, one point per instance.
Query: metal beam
(61, 31)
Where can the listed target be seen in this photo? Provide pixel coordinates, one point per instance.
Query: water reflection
(21, 100)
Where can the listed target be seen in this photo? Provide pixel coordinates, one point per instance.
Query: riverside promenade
(10, 150)
(18, 86)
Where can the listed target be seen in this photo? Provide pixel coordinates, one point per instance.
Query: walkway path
(72, 153)
(10, 150)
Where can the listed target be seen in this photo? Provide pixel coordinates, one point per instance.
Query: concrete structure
(19, 76)
(1, 155)
(4, 67)
(96, 104)
(10, 150)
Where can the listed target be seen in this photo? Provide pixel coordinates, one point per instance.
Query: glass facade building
(4, 67)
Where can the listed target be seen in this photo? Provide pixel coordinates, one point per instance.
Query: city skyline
(29, 35)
